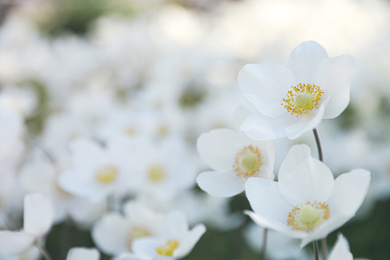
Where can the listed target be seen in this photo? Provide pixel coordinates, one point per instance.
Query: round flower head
(307, 202)
(234, 158)
(294, 99)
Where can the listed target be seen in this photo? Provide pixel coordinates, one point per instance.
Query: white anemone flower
(81, 253)
(175, 242)
(37, 220)
(294, 99)
(114, 234)
(98, 172)
(234, 158)
(307, 202)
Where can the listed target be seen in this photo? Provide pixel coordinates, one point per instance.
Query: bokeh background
(71, 68)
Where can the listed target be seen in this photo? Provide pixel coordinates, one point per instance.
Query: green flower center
(249, 162)
(303, 100)
(309, 215)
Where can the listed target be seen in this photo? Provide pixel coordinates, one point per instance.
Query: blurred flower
(97, 172)
(81, 253)
(115, 234)
(294, 99)
(307, 202)
(175, 241)
(37, 220)
(234, 158)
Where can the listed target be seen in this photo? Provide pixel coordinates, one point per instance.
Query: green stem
(321, 158)
(264, 246)
(43, 251)
(315, 245)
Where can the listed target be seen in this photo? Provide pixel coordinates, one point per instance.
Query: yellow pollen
(168, 248)
(247, 162)
(131, 131)
(302, 98)
(106, 174)
(134, 233)
(308, 216)
(156, 173)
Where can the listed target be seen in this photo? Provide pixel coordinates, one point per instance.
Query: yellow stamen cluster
(308, 216)
(247, 162)
(134, 233)
(156, 173)
(168, 248)
(302, 98)
(106, 174)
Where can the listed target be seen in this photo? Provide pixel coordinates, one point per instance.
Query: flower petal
(38, 214)
(189, 241)
(265, 86)
(110, 233)
(260, 127)
(340, 250)
(218, 148)
(80, 253)
(303, 178)
(347, 196)
(221, 184)
(270, 206)
(304, 61)
(305, 123)
(334, 77)
(15, 242)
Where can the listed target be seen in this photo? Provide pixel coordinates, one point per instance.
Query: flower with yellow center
(175, 242)
(291, 100)
(167, 248)
(156, 173)
(306, 202)
(234, 158)
(106, 174)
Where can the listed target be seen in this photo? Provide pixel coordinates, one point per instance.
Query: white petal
(265, 86)
(175, 225)
(341, 250)
(14, 242)
(306, 123)
(349, 192)
(221, 184)
(218, 148)
(110, 233)
(260, 127)
(38, 214)
(270, 206)
(347, 196)
(189, 241)
(146, 246)
(334, 77)
(79, 253)
(86, 153)
(304, 61)
(303, 178)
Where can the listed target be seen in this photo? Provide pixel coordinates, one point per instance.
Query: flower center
(302, 98)
(247, 161)
(156, 173)
(168, 248)
(106, 174)
(134, 233)
(309, 216)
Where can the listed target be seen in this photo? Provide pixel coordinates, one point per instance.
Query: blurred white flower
(294, 99)
(307, 202)
(97, 172)
(234, 158)
(115, 234)
(81, 253)
(175, 242)
(38, 174)
(21, 101)
(37, 220)
(340, 250)
(164, 169)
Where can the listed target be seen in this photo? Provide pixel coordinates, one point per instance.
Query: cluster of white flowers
(114, 131)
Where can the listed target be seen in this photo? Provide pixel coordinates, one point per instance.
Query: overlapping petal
(221, 184)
